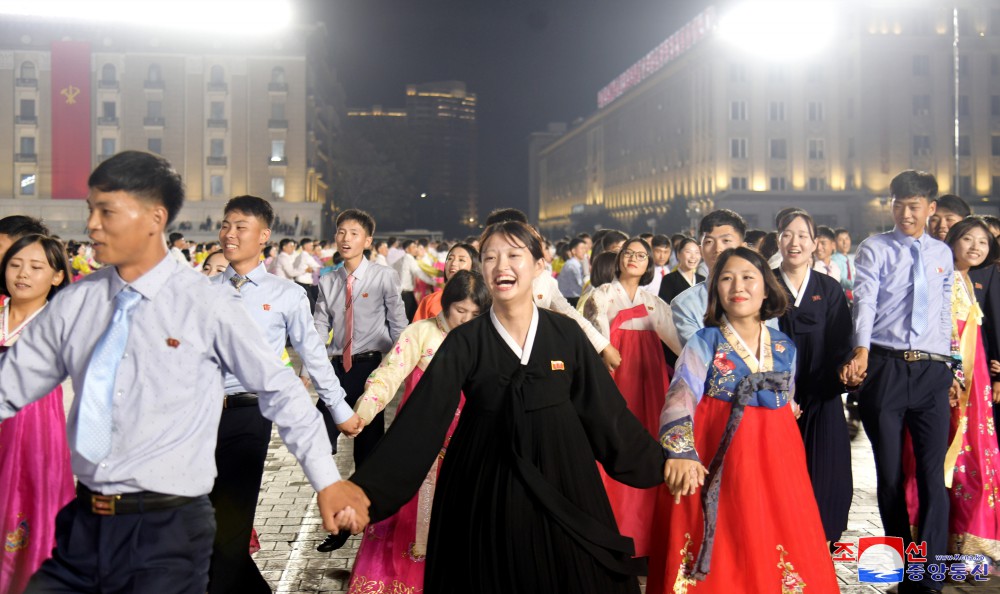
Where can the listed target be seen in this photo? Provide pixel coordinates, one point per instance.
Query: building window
(815, 111)
(277, 111)
(278, 187)
(108, 73)
(277, 151)
(964, 149)
(921, 145)
(108, 110)
(154, 109)
(921, 65)
(964, 185)
(817, 184)
(216, 185)
(921, 105)
(217, 74)
(217, 110)
(154, 74)
(995, 106)
(28, 70)
(278, 75)
(28, 145)
(778, 184)
(963, 105)
(779, 148)
(816, 149)
(995, 65)
(738, 183)
(994, 148)
(218, 147)
(155, 146)
(738, 110)
(776, 111)
(28, 108)
(737, 73)
(108, 147)
(27, 184)
(738, 148)
(995, 188)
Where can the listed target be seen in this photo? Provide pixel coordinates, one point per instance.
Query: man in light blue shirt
(571, 276)
(281, 310)
(146, 341)
(902, 360)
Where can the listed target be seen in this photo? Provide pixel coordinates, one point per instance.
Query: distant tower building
(441, 117)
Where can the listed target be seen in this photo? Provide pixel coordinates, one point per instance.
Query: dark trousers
(354, 385)
(164, 551)
(312, 292)
(244, 435)
(409, 305)
(898, 395)
(573, 300)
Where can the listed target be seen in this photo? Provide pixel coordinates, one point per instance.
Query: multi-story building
(706, 121)
(234, 115)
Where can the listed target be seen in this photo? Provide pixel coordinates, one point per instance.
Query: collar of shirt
(796, 294)
(358, 273)
(147, 285)
(523, 354)
(620, 289)
(906, 240)
(255, 276)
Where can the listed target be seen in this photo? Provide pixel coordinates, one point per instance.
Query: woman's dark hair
(602, 271)
(647, 276)
(775, 302)
(473, 255)
(964, 226)
(769, 245)
(466, 284)
(268, 251)
(793, 214)
(55, 254)
(683, 243)
(519, 232)
(754, 236)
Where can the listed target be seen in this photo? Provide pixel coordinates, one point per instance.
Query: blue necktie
(93, 432)
(918, 315)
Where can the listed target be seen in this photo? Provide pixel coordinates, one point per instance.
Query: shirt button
(104, 465)
(125, 356)
(120, 393)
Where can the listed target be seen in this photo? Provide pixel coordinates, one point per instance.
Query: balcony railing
(24, 119)
(26, 158)
(277, 87)
(274, 124)
(278, 162)
(218, 87)
(28, 83)
(218, 161)
(153, 122)
(107, 121)
(153, 84)
(107, 84)
(218, 123)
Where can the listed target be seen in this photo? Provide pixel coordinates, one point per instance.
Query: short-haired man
(571, 276)
(902, 359)
(826, 245)
(360, 303)
(661, 255)
(948, 210)
(307, 260)
(409, 271)
(177, 246)
(844, 260)
(286, 264)
(147, 361)
(15, 227)
(281, 310)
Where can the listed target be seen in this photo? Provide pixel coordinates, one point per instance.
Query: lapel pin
(267, 307)
(817, 298)
(558, 366)
(173, 343)
(364, 295)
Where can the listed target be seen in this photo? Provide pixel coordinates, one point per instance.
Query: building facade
(704, 122)
(234, 116)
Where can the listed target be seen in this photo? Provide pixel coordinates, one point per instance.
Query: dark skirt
(828, 457)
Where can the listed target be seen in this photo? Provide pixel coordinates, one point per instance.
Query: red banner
(71, 115)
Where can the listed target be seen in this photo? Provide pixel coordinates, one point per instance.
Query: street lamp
(780, 30)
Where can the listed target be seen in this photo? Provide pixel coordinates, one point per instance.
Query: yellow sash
(967, 345)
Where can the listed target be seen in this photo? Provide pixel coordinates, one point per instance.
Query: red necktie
(663, 271)
(349, 323)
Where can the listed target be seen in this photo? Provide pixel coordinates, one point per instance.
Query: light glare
(208, 16)
(780, 30)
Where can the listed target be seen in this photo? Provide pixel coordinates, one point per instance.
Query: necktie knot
(127, 299)
(238, 281)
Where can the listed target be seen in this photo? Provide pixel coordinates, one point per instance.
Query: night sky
(529, 61)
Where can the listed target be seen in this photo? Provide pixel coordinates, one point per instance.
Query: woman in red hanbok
(636, 322)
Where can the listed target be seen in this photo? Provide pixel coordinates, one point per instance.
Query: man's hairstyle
(253, 206)
(612, 237)
(913, 184)
(423, 242)
(775, 302)
(518, 232)
(466, 284)
(16, 226)
(573, 243)
(585, 236)
(721, 218)
(661, 241)
(391, 241)
(305, 240)
(406, 244)
(647, 237)
(502, 215)
(647, 276)
(143, 175)
(841, 231)
(676, 239)
(964, 226)
(825, 232)
(361, 217)
(753, 236)
(954, 204)
(175, 236)
(375, 245)
(284, 242)
(55, 254)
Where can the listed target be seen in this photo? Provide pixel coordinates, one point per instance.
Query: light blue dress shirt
(571, 278)
(845, 264)
(379, 315)
(688, 310)
(185, 334)
(883, 293)
(281, 310)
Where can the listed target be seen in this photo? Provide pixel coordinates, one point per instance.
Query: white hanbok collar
(797, 295)
(523, 354)
(763, 361)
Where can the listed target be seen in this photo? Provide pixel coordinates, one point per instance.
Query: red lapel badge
(364, 295)
(939, 270)
(817, 298)
(173, 343)
(979, 286)
(558, 366)
(539, 297)
(267, 307)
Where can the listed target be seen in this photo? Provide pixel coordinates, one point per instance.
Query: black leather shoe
(334, 541)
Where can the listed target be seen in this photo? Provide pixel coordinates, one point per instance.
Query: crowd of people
(573, 413)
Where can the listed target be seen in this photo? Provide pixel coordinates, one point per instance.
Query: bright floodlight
(245, 17)
(780, 30)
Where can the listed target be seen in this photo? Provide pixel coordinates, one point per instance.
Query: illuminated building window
(27, 184)
(816, 149)
(779, 148)
(217, 185)
(277, 151)
(776, 111)
(217, 147)
(738, 183)
(738, 110)
(277, 187)
(278, 75)
(778, 184)
(921, 65)
(817, 184)
(921, 145)
(921, 105)
(738, 148)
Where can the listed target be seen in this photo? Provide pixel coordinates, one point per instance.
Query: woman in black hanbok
(820, 324)
(520, 506)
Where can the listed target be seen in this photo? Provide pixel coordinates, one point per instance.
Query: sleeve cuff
(677, 439)
(321, 472)
(341, 412)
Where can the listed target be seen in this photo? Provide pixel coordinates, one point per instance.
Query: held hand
(856, 370)
(347, 519)
(996, 392)
(338, 497)
(683, 477)
(796, 409)
(612, 358)
(953, 393)
(994, 367)
(352, 426)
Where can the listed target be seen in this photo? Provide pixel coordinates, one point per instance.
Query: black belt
(127, 503)
(239, 399)
(910, 356)
(366, 356)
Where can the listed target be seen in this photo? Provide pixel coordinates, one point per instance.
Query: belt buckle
(225, 401)
(911, 356)
(103, 505)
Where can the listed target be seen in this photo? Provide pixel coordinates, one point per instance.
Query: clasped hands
(683, 477)
(343, 506)
(352, 426)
